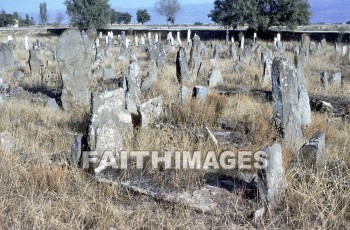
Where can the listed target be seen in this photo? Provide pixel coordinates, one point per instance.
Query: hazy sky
(33, 5)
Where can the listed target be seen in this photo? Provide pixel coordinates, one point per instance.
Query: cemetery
(177, 127)
(72, 103)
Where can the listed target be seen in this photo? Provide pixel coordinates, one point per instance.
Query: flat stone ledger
(286, 102)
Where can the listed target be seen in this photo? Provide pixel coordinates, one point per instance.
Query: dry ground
(37, 194)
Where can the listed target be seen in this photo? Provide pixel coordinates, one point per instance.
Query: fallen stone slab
(205, 199)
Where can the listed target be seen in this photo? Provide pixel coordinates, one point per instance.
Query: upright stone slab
(305, 48)
(304, 106)
(26, 43)
(233, 51)
(336, 79)
(74, 56)
(267, 71)
(133, 84)
(7, 57)
(323, 43)
(271, 182)
(214, 77)
(152, 76)
(183, 76)
(242, 43)
(311, 154)
(195, 55)
(325, 79)
(151, 110)
(110, 123)
(286, 102)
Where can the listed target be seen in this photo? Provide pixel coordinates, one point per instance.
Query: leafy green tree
(6, 19)
(27, 20)
(261, 14)
(115, 15)
(168, 8)
(43, 13)
(125, 18)
(84, 13)
(143, 16)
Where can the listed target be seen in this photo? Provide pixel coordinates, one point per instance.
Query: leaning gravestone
(271, 181)
(214, 77)
(74, 56)
(183, 76)
(267, 71)
(195, 55)
(110, 124)
(6, 57)
(286, 102)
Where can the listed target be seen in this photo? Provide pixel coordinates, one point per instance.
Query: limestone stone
(151, 110)
(311, 153)
(285, 102)
(74, 56)
(214, 77)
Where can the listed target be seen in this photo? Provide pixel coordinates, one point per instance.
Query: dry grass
(41, 195)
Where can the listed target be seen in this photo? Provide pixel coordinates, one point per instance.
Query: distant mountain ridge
(323, 11)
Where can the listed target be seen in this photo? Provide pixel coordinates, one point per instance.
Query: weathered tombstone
(156, 38)
(324, 79)
(110, 42)
(152, 76)
(267, 71)
(74, 56)
(136, 41)
(110, 123)
(189, 36)
(227, 37)
(7, 141)
(151, 110)
(183, 76)
(26, 43)
(178, 38)
(133, 83)
(255, 36)
(275, 42)
(344, 50)
(149, 36)
(214, 77)
(97, 42)
(216, 52)
(278, 37)
(305, 48)
(142, 40)
(242, 43)
(6, 57)
(200, 92)
(285, 102)
(304, 106)
(323, 43)
(271, 182)
(108, 74)
(336, 79)
(233, 51)
(311, 153)
(195, 55)
(279, 46)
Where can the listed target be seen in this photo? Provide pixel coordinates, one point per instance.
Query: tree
(59, 18)
(143, 16)
(27, 21)
(6, 19)
(84, 13)
(43, 13)
(125, 18)
(168, 8)
(115, 15)
(261, 14)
